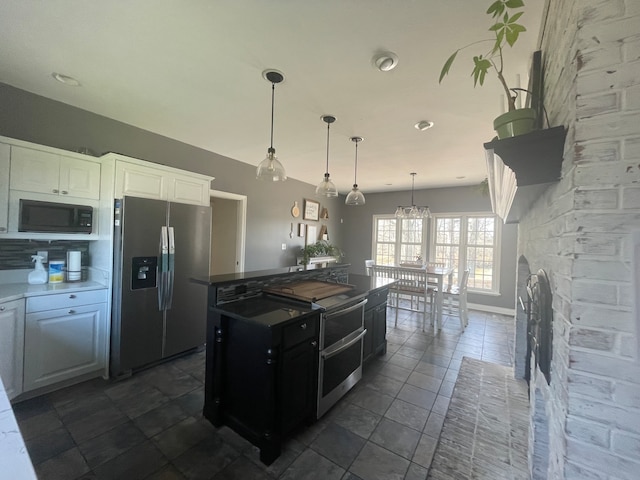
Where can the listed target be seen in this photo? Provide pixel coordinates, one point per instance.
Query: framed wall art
(312, 235)
(311, 210)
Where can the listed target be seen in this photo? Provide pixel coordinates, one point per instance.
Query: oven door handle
(342, 345)
(346, 310)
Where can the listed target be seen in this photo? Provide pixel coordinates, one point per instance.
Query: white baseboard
(492, 309)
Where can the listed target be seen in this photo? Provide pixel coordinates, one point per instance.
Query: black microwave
(53, 217)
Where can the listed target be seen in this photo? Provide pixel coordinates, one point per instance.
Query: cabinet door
(34, 170)
(63, 344)
(11, 346)
(184, 189)
(140, 181)
(299, 384)
(5, 156)
(79, 178)
(380, 328)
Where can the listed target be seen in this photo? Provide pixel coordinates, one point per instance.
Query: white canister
(56, 271)
(74, 266)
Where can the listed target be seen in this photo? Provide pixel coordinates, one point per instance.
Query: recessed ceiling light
(66, 79)
(423, 125)
(461, 177)
(385, 61)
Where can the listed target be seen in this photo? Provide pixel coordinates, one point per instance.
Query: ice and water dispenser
(143, 272)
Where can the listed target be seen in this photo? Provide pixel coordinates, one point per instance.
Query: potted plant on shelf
(506, 31)
(321, 249)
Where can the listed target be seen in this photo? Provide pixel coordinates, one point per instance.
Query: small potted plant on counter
(506, 31)
(320, 252)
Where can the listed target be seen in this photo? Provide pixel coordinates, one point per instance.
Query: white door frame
(241, 222)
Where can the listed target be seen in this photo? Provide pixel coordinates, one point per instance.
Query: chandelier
(413, 211)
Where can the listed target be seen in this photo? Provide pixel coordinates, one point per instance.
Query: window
(458, 241)
(396, 241)
(471, 241)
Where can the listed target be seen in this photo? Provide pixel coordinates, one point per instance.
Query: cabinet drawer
(377, 298)
(300, 331)
(65, 300)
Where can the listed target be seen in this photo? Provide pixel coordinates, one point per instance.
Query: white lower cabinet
(11, 346)
(65, 337)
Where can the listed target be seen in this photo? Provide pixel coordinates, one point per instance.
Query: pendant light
(326, 188)
(412, 211)
(270, 169)
(355, 196)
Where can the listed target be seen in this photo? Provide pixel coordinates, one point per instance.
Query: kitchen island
(273, 362)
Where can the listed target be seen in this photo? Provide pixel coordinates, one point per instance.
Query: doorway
(228, 226)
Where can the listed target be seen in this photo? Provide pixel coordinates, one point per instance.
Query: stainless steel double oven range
(340, 358)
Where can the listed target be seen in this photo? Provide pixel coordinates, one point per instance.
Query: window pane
(480, 257)
(386, 230)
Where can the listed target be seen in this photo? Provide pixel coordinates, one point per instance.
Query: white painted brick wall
(579, 232)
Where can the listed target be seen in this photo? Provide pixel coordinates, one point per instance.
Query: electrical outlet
(45, 256)
(284, 246)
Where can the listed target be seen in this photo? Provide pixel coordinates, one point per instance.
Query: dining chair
(455, 299)
(367, 266)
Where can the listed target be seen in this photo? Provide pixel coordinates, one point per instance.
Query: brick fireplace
(585, 422)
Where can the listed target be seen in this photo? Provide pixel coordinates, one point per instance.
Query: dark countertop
(266, 310)
(270, 310)
(262, 274)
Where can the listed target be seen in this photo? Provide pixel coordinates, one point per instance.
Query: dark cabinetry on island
(262, 360)
(375, 321)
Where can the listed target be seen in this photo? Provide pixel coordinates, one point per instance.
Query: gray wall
(40, 120)
(36, 119)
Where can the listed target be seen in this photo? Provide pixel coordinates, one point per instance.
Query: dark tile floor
(150, 426)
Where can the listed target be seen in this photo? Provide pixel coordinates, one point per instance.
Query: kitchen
(266, 205)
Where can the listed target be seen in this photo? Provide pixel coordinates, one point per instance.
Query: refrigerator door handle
(164, 267)
(171, 268)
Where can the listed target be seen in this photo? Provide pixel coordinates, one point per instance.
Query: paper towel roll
(74, 265)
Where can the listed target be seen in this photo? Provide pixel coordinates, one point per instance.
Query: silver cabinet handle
(55, 190)
(71, 312)
(64, 192)
(1, 309)
(72, 296)
(303, 326)
(314, 344)
(3, 229)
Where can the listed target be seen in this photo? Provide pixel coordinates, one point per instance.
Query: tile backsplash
(16, 254)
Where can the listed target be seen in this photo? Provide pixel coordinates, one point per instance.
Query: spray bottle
(39, 274)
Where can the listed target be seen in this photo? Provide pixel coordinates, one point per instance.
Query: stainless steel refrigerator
(157, 311)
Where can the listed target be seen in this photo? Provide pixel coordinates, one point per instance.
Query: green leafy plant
(506, 31)
(320, 249)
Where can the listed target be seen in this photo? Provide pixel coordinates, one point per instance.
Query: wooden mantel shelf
(520, 168)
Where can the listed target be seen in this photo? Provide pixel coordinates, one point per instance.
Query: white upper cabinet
(138, 178)
(45, 172)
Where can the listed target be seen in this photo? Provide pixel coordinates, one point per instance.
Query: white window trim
(426, 225)
(497, 249)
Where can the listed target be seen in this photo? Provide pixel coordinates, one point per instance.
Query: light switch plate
(284, 246)
(44, 254)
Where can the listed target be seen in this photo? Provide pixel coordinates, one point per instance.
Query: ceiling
(192, 71)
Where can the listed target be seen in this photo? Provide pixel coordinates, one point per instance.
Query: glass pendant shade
(355, 196)
(326, 188)
(270, 169)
